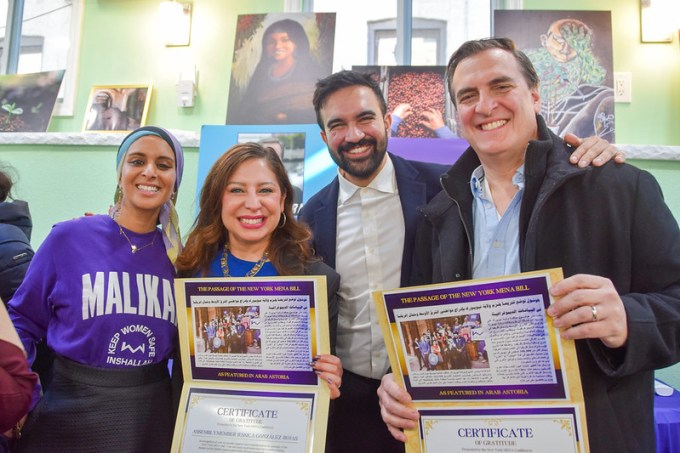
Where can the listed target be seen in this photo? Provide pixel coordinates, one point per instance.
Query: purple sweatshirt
(95, 301)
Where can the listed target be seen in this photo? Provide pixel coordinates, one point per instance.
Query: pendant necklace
(133, 247)
(251, 273)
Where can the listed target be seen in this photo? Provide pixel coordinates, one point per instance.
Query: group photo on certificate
(446, 343)
(475, 338)
(228, 330)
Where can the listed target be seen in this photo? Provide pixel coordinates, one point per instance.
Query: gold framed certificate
(246, 347)
(484, 365)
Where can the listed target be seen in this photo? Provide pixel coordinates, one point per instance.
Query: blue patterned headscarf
(168, 217)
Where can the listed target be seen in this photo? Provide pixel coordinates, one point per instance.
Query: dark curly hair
(343, 79)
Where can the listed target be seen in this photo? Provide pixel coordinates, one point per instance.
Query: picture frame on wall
(416, 98)
(656, 21)
(117, 108)
(27, 100)
(278, 57)
(571, 52)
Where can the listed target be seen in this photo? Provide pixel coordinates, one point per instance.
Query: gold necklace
(251, 273)
(133, 247)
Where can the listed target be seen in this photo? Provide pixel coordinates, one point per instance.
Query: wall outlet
(623, 87)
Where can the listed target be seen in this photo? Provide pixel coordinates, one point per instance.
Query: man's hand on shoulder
(593, 150)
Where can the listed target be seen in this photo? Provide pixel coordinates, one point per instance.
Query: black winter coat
(609, 221)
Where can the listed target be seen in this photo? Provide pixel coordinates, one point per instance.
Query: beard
(360, 168)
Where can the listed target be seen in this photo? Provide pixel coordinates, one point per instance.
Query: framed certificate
(246, 346)
(461, 346)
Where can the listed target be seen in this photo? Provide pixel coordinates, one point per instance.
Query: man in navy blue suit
(364, 225)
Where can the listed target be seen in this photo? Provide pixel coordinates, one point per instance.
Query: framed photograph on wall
(27, 100)
(117, 107)
(656, 21)
(416, 98)
(572, 54)
(278, 57)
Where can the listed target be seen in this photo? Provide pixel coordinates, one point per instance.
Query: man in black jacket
(513, 203)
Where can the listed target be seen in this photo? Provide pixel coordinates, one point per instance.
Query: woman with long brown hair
(246, 228)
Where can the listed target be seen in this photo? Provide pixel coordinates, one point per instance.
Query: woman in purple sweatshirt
(100, 292)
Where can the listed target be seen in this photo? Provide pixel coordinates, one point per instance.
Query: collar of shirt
(480, 188)
(496, 237)
(385, 181)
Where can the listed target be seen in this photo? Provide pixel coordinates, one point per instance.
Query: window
(49, 40)
(428, 42)
(352, 29)
(367, 32)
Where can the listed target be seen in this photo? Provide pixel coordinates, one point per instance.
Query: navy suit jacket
(417, 181)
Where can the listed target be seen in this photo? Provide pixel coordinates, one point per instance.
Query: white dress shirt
(369, 248)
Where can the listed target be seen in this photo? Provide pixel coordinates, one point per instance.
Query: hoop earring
(282, 224)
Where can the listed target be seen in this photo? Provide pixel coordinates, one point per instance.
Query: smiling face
(355, 132)
(279, 46)
(496, 109)
(147, 177)
(252, 204)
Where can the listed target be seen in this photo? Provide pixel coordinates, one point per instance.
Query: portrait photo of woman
(277, 61)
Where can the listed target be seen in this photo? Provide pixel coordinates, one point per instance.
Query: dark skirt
(87, 409)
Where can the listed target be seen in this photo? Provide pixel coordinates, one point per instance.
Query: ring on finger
(593, 310)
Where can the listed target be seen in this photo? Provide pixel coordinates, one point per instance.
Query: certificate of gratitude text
(464, 345)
